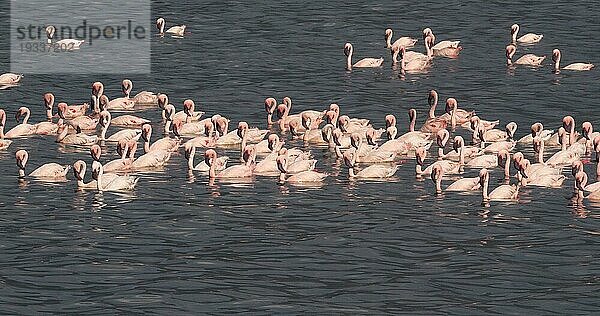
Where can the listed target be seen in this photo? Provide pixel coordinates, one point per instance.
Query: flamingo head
(568, 123)
(97, 89)
(581, 180)
(432, 98)
(349, 157)
(50, 30)
(459, 142)
(96, 152)
(514, 28)
(177, 125)
(20, 113)
(210, 156)
(21, 156)
(163, 100)
(97, 170)
(555, 55)
(103, 102)
(270, 105)
(426, 32)
(146, 132)
(576, 167)
(335, 108)
(281, 109)
(510, 51)
(306, 121)
(436, 172)
(420, 154)
(536, 128)
(517, 157)
(249, 154)
(474, 122)
(337, 136)
(587, 130)
(242, 129)
(330, 116)
(442, 137)
(502, 156)
(483, 176)
(348, 49)
(126, 86)
(272, 141)
(160, 24)
(208, 128)
(287, 101)
(48, 100)
(355, 140)
(188, 107)
(294, 126)
(390, 120)
(104, 118)
(370, 136)
(79, 169)
(343, 123)
(510, 129)
(451, 104)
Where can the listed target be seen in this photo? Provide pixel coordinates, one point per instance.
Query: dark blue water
(179, 244)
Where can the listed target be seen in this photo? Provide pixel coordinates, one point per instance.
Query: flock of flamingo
(368, 153)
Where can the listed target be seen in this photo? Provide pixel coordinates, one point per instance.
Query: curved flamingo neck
(27, 114)
(338, 151)
(428, 49)
(557, 64)
(438, 185)
(461, 153)
(514, 35)
(432, 107)
(540, 154)
(413, 121)
(62, 135)
(99, 180)
(105, 129)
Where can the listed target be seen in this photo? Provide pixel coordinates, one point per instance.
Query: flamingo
(540, 180)
(83, 122)
(10, 78)
(125, 134)
(67, 43)
(23, 129)
(371, 172)
(190, 152)
(463, 184)
(117, 183)
(580, 182)
(123, 163)
(244, 170)
(4, 143)
(49, 171)
(79, 138)
(152, 159)
(556, 55)
(363, 63)
(143, 98)
(527, 59)
(529, 38)
(304, 177)
(504, 192)
(442, 46)
(403, 41)
(176, 30)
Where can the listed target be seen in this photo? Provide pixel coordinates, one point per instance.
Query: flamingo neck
(453, 118)
(191, 160)
(411, 126)
(349, 61)
(49, 114)
(507, 168)
(62, 135)
(281, 177)
(338, 151)
(388, 41)
(27, 114)
(572, 135)
(211, 169)
(540, 154)
(418, 169)
(99, 181)
(96, 103)
(438, 185)
(21, 173)
(432, 108)
(351, 172)
(104, 129)
(147, 146)
(428, 49)
(244, 141)
(484, 190)
(440, 153)
(395, 57)
(557, 65)
(461, 153)
(270, 119)
(168, 126)
(514, 36)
